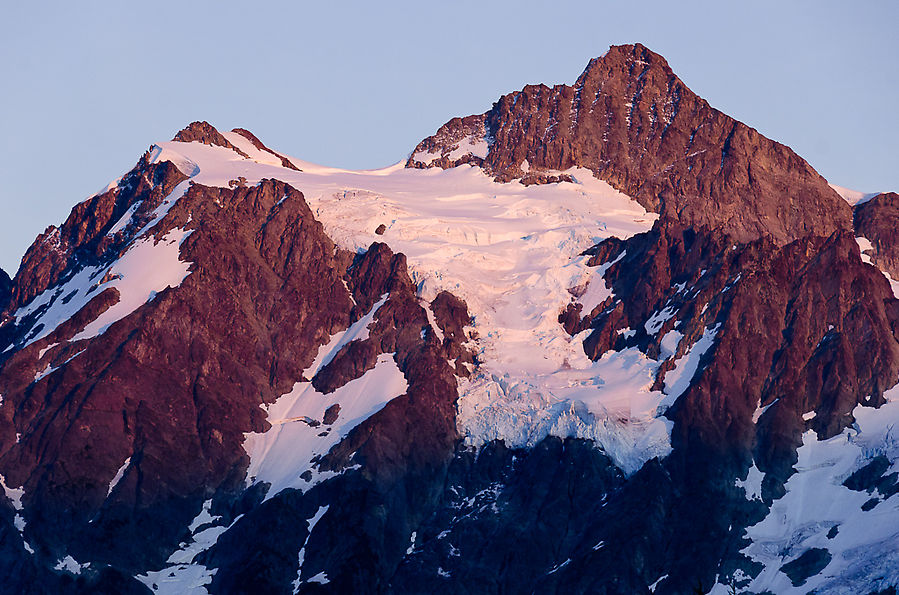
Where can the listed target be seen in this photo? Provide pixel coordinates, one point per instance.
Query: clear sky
(87, 86)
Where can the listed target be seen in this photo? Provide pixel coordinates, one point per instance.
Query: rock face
(78, 425)
(258, 144)
(204, 132)
(878, 221)
(5, 289)
(636, 125)
(85, 237)
(132, 425)
(404, 451)
(227, 344)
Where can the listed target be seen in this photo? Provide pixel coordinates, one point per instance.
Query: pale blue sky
(88, 86)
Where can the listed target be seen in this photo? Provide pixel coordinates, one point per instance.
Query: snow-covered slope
(512, 253)
(515, 254)
(853, 197)
(483, 370)
(826, 515)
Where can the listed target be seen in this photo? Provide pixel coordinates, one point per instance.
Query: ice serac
(636, 125)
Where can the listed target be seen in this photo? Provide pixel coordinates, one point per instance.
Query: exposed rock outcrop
(5, 289)
(121, 448)
(258, 144)
(84, 237)
(632, 122)
(204, 132)
(878, 221)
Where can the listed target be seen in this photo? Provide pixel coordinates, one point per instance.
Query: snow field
(818, 511)
(512, 253)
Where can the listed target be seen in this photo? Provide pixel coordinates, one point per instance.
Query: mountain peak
(628, 65)
(240, 140)
(634, 124)
(206, 133)
(627, 54)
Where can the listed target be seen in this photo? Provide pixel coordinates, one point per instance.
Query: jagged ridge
(636, 125)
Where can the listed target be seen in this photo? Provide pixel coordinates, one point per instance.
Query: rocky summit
(602, 338)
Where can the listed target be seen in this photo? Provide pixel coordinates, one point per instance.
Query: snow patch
(678, 379)
(472, 145)
(669, 344)
(853, 197)
(167, 152)
(257, 155)
(280, 455)
(203, 518)
(865, 545)
(70, 565)
(14, 495)
(752, 485)
(184, 576)
(597, 291)
(124, 220)
(426, 157)
(50, 369)
(184, 579)
(865, 245)
(358, 331)
(310, 525)
(146, 268)
(652, 587)
(433, 322)
(118, 476)
(655, 322)
(760, 411)
(320, 578)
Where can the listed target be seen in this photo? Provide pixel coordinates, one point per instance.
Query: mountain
(600, 339)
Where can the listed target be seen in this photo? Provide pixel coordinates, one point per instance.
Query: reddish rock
(878, 220)
(632, 122)
(258, 144)
(204, 132)
(181, 379)
(807, 325)
(451, 315)
(331, 414)
(83, 238)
